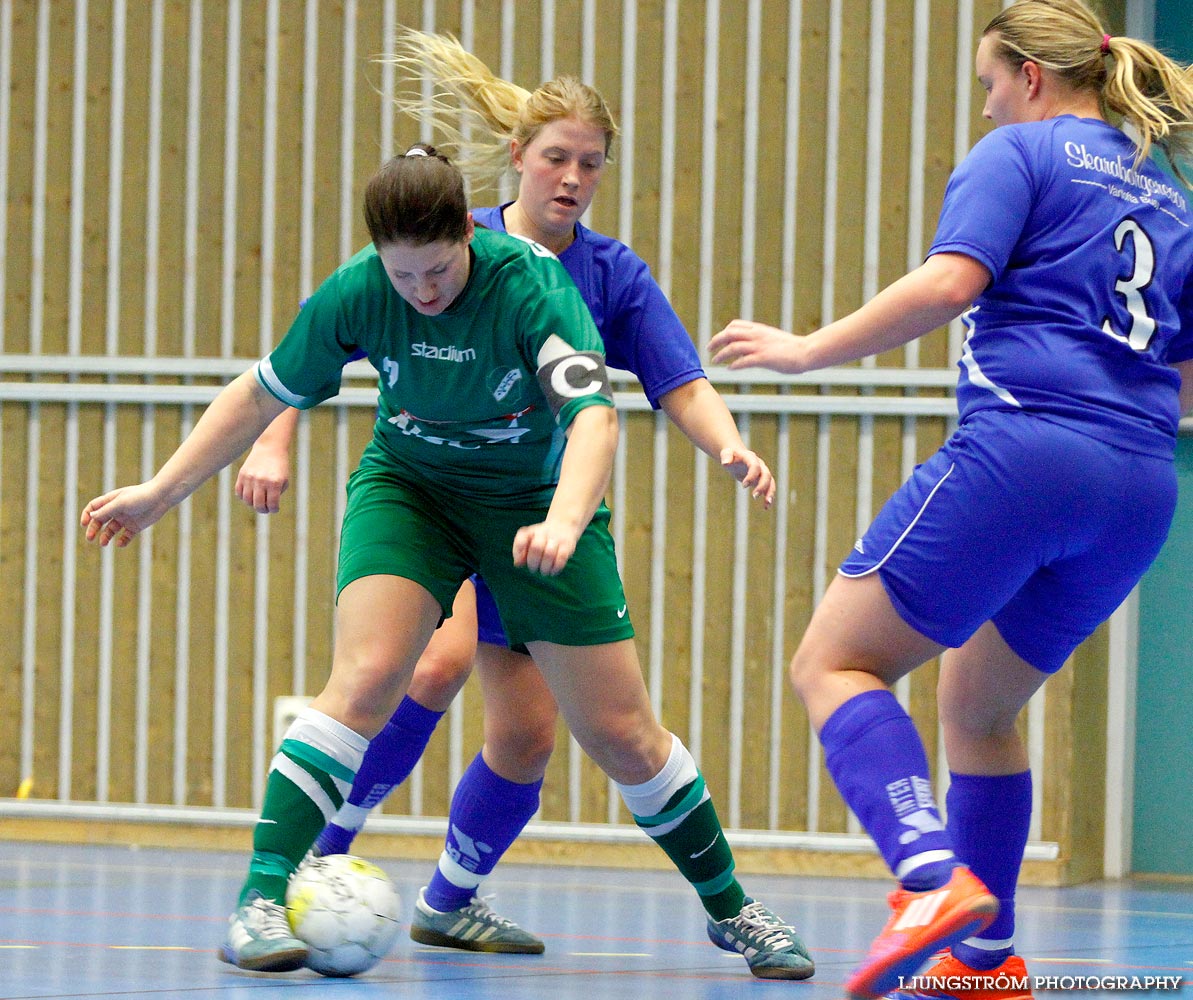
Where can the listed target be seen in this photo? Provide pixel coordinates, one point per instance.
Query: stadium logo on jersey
(503, 381)
(448, 353)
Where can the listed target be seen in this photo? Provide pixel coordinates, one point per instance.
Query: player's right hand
(119, 516)
(544, 548)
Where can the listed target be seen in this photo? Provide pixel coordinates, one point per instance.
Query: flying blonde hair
(1134, 81)
(475, 113)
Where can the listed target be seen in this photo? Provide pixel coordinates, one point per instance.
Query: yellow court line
(23, 947)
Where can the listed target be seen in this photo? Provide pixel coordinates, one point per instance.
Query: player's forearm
(278, 436)
(698, 410)
(235, 418)
(586, 468)
(921, 301)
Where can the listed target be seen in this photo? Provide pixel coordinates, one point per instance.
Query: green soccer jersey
(475, 399)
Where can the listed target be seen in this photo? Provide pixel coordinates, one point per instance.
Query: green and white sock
(309, 778)
(676, 811)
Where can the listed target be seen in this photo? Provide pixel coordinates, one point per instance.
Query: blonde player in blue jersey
(558, 139)
(1069, 246)
(491, 453)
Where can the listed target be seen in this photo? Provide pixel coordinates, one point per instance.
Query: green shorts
(396, 527)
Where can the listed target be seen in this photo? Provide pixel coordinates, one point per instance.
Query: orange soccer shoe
(922, 924)
(952, 979)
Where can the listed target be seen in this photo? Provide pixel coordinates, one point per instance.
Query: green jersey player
(469, 424)
(488, 359)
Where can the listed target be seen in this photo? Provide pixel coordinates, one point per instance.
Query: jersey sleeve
(987, 201)
(306, 367)
(644, 335)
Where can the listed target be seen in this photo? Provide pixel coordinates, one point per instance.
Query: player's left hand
(263, 478)
(753, 473)
(544, 548)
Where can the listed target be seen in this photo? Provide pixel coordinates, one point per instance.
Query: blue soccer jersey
(1091, 297)
(641, 332)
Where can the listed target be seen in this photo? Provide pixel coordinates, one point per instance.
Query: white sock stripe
(908, 865)
(306, 784)
(325, 724)
(325, 734)
(651, 797)
(983, 944)
(663, 828)
(646, 793)
(351, 817)
(456, 874)
(333, 738)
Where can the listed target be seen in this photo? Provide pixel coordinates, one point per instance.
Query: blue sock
(989, 820)
(391, 756)
(876, 758)
(487, 814)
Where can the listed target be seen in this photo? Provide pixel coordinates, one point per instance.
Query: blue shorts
(488, 622)
(1024, 522)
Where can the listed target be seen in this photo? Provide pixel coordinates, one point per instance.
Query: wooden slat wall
(223, 275)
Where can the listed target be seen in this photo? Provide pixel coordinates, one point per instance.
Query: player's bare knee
(521, 756)
(975, 725)
(362, 695)
(806, 672)
(438, 677)
(629, 750)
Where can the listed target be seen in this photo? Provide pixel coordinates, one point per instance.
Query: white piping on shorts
(906, 531)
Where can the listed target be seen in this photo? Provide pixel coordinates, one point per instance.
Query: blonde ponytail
(475, 113)
(1154, 94)
(1135, 82)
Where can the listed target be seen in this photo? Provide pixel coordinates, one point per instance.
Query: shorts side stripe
(906, 531)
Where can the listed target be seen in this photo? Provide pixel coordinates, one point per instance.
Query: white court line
(610, 954)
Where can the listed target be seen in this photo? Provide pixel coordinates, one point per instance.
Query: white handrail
(122, 365)
(834, 843)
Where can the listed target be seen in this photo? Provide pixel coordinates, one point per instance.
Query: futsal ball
(346, 910)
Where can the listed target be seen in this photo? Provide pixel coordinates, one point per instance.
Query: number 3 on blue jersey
(1131, 287)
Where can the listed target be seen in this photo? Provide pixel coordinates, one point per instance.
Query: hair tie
(1105, 44)
(417, 151)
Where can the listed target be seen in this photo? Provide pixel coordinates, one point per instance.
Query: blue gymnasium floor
(83, 922)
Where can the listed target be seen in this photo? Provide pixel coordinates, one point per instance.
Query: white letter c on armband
(559, 379)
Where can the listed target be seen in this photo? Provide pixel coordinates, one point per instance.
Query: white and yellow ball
(346, 910)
